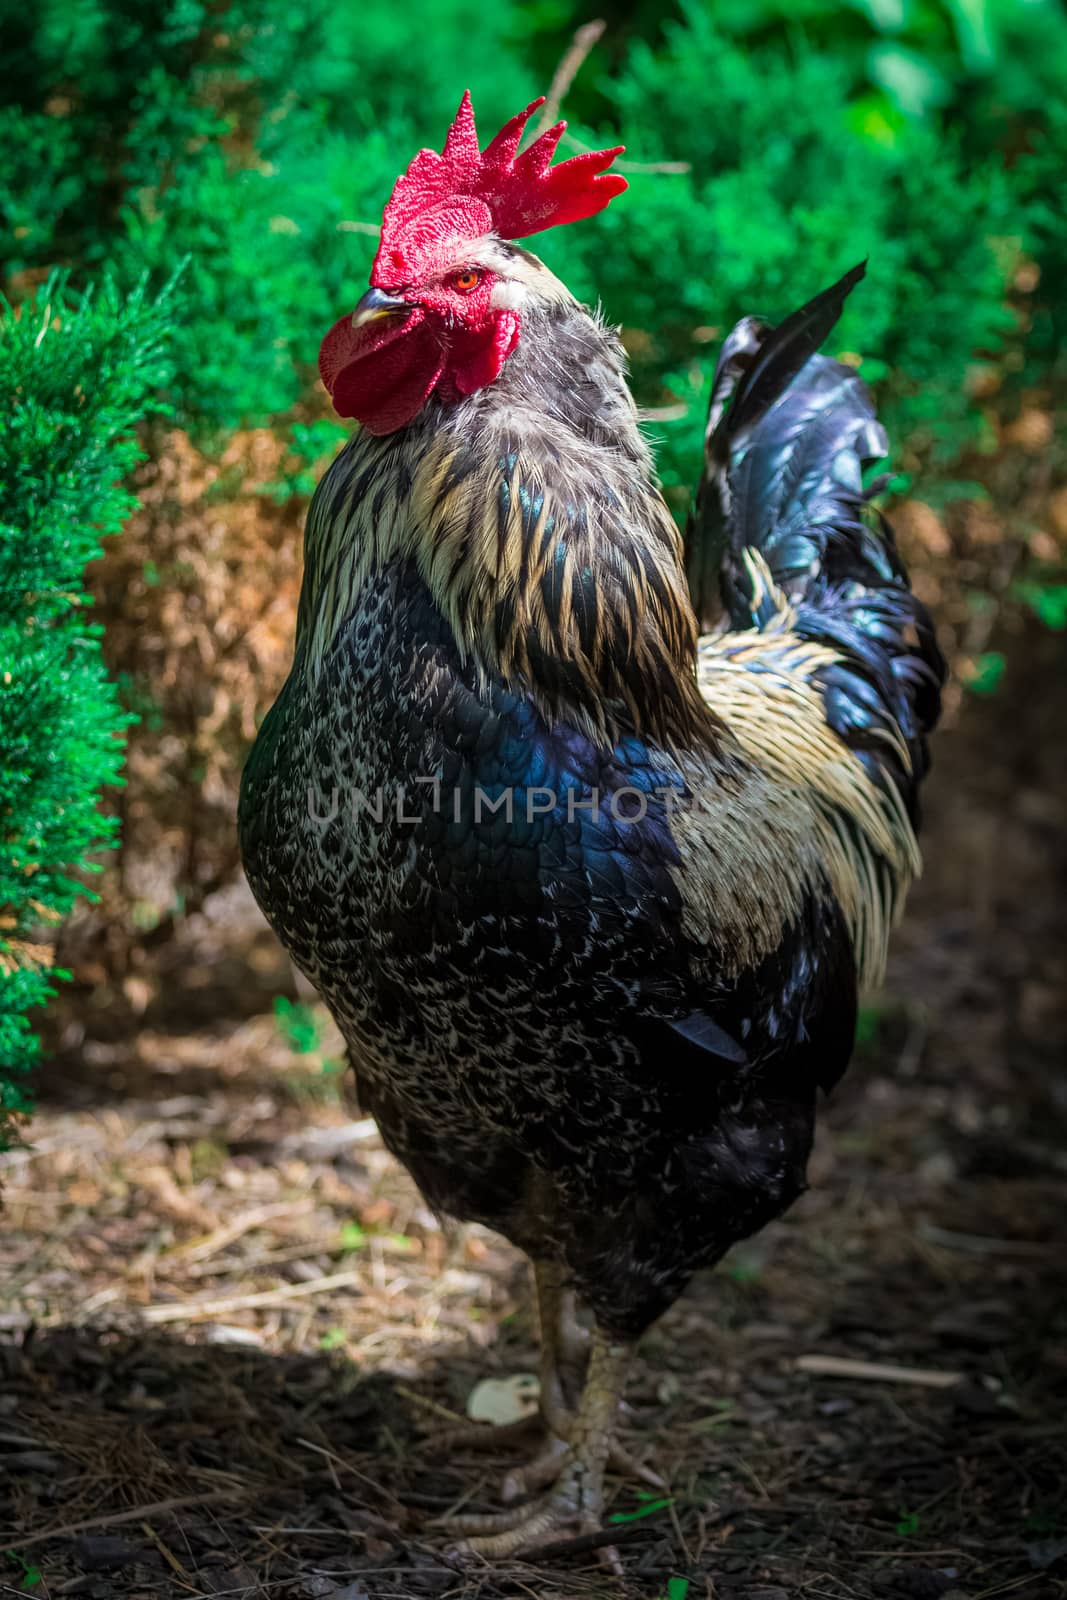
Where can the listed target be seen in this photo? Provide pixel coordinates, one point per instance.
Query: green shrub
(788, 187)
(261, 140)
(75, 376)
(249, 141)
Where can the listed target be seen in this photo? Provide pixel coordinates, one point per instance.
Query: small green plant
(1043, 1522)
(319, 1077)
(30, 1575)
(1046, 598)
(352, 1237)
(745, 1263)
(868, 1022)
(648, 1505)
(987, 672)
(298, 1025)
(908, 1525)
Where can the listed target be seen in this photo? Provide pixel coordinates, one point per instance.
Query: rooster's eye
(466, 281)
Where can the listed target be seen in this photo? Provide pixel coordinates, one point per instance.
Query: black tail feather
(782, 356)
(790, 436)
(756, 366)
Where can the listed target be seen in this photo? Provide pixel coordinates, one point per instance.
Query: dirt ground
(229, 1328)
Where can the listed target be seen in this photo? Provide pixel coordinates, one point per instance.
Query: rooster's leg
(576, 1501)
(564, 1350)
(565, 1346)
(561, 1356)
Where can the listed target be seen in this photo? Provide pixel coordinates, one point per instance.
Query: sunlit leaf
(911, 81)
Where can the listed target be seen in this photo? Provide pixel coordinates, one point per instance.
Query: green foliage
(987, 672)
(301, 1027)
(791, 183)
(251, 148)
(75, 375)
(29, 1575)
(868, 1022)
(353, 1236)
(261, 140)
(298, 1025)
(648, 1505)
(311, 444)
(1046, 598)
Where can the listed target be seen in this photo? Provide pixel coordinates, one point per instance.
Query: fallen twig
(875, 1371)
(166, 1552)
(161, 1508)
(209, 1244)
(979, 1245)
(206, 1310)
(323, 1143)
(372, 1483)
(673, 168)
(584, 40)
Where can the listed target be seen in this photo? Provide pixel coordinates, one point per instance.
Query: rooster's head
(444, 310)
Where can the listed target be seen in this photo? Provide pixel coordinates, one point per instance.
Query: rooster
(590, 895)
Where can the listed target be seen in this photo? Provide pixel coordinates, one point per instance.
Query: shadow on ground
(212, 1470)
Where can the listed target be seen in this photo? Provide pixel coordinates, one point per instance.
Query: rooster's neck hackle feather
(532, 513)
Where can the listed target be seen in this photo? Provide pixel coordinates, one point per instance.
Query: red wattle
(472, 368)
(382, 375)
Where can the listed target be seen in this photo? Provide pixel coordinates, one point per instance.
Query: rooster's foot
(537, 1474)
(547, 1466)
(573, 1508)
(580, 1447)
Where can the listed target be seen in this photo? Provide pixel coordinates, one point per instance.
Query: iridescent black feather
(790, 437)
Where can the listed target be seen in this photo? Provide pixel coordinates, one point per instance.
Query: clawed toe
(628, 1466)
(537, 1474)
(480, 1525)
(518, 1532)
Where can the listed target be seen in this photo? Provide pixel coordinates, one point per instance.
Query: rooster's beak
(374, 304)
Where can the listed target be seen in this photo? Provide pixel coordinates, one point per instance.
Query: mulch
(229, 1328)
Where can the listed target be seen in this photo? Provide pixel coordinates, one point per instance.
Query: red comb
(466, 192)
